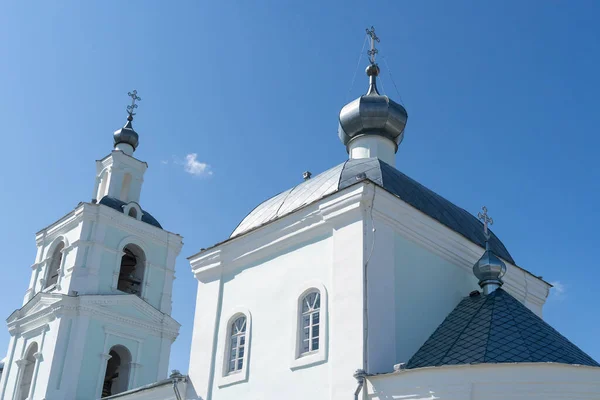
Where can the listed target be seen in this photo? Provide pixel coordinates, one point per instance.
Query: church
(380, 289)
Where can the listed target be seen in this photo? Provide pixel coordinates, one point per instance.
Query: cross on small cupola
(486, 219)
(133, 106)
(126, 139)
(373, 51)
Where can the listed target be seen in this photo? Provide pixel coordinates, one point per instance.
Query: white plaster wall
(417, 272)
(489, 382)
(95, 236)
(268, 291)
(269, 288)
(427, 290)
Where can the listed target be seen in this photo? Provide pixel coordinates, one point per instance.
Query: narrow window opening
(116, 378)
(103, 186)
(310, 323)
(131, 273)
(53, 268)
(27, 376)
(133, 212)
(237, 345)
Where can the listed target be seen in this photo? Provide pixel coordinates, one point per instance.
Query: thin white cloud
(559, 291)
(194, 167)
(165, 162)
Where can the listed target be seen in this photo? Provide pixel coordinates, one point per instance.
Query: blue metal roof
(496, 328)
(119, 205)
(390, 179)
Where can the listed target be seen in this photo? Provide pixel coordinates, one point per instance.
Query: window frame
(299, 359)
(227, 377)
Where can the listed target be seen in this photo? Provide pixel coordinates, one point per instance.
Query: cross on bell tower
(133, 106)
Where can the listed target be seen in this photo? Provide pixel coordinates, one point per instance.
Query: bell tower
(95, 319)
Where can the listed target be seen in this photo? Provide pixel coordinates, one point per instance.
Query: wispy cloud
(559, 291)
(192, 166)
(165, 162)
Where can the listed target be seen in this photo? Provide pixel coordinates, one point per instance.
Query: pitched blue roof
(390, 179)
(119, 205)
(496, 328)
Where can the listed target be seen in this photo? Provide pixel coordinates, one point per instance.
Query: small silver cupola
(490, 268)
(372, 115)
(126, 139)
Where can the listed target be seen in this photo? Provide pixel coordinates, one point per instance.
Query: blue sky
(239, 98)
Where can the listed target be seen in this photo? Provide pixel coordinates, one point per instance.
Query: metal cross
(133, 106)
(486, 220)
(374, 38)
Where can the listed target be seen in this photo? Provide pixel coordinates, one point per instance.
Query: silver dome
(372, 114)
(127, 135)
(489, 270)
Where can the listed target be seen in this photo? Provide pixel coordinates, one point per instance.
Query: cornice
(317, 219)
(58, 227)
(94, 306)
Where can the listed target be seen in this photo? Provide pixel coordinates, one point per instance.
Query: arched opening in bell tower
(27, 375)
(116, 378)
(53, 267)
(131, 274)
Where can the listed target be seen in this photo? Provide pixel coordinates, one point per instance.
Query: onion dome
(127, 135)
(372, 114)
(489, 270)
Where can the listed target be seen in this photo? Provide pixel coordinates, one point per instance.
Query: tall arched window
(310, 322)
(116, 378)
(131, 273)
(28, 365)
(55, 261)
(237, 344)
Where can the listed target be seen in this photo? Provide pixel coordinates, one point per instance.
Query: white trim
(138, 210)
(225, 378)
(320, 356)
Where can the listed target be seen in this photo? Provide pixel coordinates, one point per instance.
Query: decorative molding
(48, 307)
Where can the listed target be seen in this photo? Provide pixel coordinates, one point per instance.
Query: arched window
(28, 365)
(237, 344)
(310, 322)
(133, 212)
(131, 273)
(116, 378)
(55, 261)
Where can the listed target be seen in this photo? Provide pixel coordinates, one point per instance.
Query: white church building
(359, 283)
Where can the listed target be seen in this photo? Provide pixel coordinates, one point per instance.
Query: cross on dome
(486, 219)
(133, 106)
(373, 51)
